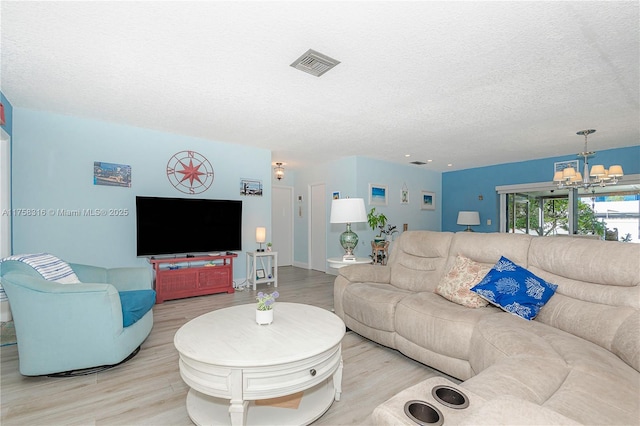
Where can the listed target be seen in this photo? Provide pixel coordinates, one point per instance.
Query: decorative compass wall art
(190, 172)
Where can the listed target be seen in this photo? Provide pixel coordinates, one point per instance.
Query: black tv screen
(187, 226)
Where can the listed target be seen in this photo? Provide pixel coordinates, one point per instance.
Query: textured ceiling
(467, 83)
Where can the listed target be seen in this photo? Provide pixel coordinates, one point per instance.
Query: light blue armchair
(68, 327)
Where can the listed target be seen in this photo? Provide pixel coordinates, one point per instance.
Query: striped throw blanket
(50, 267)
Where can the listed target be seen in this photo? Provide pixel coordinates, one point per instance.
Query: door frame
(292, 212)
(309, 222)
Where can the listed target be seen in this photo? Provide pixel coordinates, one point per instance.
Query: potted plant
(264, 310)
(389, 231)
(377, 221)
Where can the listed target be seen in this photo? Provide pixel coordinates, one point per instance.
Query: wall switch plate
(488, 221)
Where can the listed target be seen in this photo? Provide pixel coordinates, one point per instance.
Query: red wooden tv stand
(179, 277)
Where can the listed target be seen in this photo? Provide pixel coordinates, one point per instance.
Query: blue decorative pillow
(515, 289)
(135, 304)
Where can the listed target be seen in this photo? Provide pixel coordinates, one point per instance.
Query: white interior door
(282, 223)
(318, 228)
(5, 194)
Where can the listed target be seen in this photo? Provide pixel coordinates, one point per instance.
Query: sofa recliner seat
(578, 360)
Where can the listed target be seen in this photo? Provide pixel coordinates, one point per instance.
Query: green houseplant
(377, 221)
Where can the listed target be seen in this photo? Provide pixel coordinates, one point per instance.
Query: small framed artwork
(561, 165)
(251, 187)
(428, 201)
(404, 195)
(111, 174)
(335, 195)
(377, 195)
(260, 273)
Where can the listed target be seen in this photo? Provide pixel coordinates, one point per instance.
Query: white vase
(264, 317)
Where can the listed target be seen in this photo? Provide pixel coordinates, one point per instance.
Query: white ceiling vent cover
(314, 63)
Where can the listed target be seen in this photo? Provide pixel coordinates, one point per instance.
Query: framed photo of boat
(110, 174)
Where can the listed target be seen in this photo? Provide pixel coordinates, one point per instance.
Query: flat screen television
(181, 226)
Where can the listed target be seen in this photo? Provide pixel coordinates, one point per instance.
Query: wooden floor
(148, 390)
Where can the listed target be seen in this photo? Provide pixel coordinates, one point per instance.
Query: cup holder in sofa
(450, 397)
(423, 413)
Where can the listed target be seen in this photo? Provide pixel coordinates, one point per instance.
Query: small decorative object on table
(269, 245)
(264, 310)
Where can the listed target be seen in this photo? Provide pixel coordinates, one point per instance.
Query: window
(538, 214)
(616, 215)
(611, 213)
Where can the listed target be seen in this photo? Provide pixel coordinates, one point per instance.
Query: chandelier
(598, 176)
(279, 171)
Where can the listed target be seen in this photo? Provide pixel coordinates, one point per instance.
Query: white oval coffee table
(231, 364)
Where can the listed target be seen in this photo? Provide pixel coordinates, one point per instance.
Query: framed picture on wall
(404, 195)
(335, 195)
(378, 195)
(111, 174)
(251, 187)
(561, 165)
(428, 201)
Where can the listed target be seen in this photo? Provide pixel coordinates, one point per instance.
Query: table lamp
(261, 236)
(469, 219)
(348, 210)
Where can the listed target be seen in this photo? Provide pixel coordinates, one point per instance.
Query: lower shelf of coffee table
(207, 410)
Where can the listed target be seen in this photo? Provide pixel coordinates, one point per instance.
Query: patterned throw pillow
(456, 284)
(515, 289)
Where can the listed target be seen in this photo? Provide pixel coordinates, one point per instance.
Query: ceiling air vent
(418, 163)
(314, 63)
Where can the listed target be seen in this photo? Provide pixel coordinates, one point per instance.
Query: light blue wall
(417, 179)
(462, 188)
(351, 177)
(53, 158)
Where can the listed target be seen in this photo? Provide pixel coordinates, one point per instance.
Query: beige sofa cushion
(456, 283)
(488, 248)
(434, 323)
(373, 304)
(598, 295)
(418, 259)
(544, 365)
(508, 410)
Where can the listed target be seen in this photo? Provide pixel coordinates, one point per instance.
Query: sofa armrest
(131, 278)
(354, 274)
(367, 273)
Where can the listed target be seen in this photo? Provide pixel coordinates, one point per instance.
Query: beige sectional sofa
(577, 361)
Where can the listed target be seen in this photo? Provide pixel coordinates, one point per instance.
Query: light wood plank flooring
(148, 389)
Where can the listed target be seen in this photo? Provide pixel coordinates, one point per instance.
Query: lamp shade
(569, 172)
(615, 171)
(261, 235)
(348, 210)
(597, 170)
(468, 218)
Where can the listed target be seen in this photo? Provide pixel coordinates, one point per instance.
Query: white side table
(266, 271)
(337, 262)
